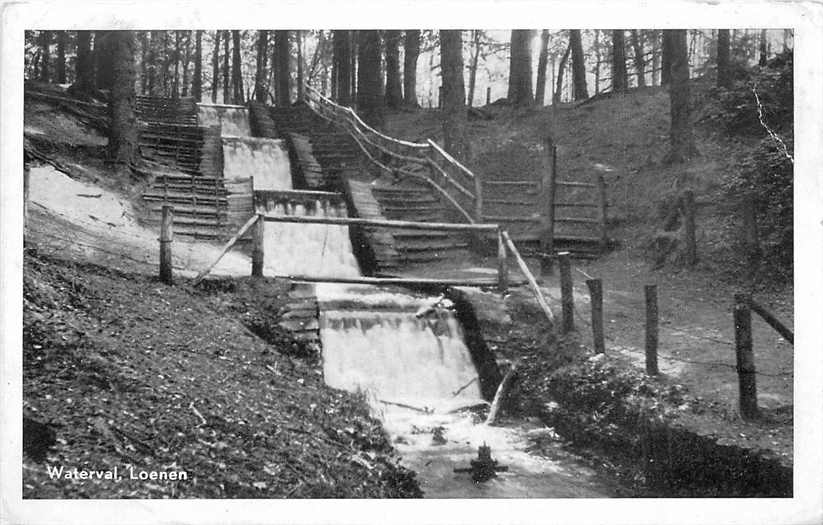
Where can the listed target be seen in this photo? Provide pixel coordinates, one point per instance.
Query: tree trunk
(164, 73)
(475, 56)
(411, 46)
(542, 64)
(639, 59)
(764, 50)
(154, 83)
(300, 79)
(520, 68)
(186, 62)
(262, 58)
(84, 67)
(666, 60)
(60, 66)
(236, 72)
(581, 91)
(619, 83)
(122, 146)
(102, 60)
(724, 74)
(559, 89)
(282, 76)
(655, 57)
(197, 75)
(226, 68)
(454, 95)
(681, 136)
(45, 42)
(215, 68)
(394, 87)
(369, 85)
(342, 66)
(175, 79)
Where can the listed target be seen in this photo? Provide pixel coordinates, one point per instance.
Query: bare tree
(299, 38)
(666, 59)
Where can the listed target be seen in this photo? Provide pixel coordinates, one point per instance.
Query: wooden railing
(428, 162)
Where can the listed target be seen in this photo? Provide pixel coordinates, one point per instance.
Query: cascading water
(233, 120)
(406, 354)
(265, 159)
(318, 250)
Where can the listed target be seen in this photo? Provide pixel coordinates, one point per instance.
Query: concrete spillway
(266, 160)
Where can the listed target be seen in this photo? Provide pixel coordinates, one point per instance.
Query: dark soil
(128, 371)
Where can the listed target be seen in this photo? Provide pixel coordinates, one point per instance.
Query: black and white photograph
(281, 268)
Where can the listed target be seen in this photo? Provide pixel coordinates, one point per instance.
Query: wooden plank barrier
(502, 263)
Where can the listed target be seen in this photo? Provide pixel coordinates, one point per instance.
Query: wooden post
(547, 239)
(651, 329)
(596, 294)
(257, 253)
(502, 264)
(488, 95)
(440, 97)
(745, 357)
(166, 237)
(566, 291)
(688, 219)
(601, 201)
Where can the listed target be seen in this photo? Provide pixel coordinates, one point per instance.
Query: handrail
(385, 223)
(360, 121)
(367, 137)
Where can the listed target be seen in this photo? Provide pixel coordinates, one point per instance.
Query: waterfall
(318, 250)
(233, 120)
(264, 159)
(373, 341)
